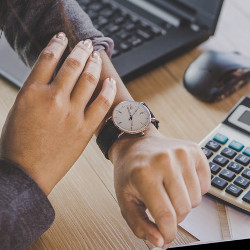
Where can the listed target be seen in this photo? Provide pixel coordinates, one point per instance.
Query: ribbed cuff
(100, 43)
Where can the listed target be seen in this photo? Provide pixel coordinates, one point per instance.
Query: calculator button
(227, 174)
(213, 145)
(243, 159)
(236, 167)
(246, 197)
(242, 182)
(207, 152)
(234, 190)
(215, 169)
(229, 153)
(236, 145)
(247, 151)
(219, 183)
(220, 138)
(220, 160)
(246, 173)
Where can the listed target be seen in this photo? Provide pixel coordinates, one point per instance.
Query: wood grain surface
(87, 212)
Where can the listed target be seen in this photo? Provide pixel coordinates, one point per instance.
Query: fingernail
(61, 36)
(88, 43)
(112, 81)
(96, 55)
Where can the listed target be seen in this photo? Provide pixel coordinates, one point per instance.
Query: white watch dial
(131, 117)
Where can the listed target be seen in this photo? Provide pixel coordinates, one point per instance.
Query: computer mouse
(215, 75)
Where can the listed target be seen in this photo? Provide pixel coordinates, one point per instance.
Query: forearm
(25, 211)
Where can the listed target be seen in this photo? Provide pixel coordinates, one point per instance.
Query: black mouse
(215, 75)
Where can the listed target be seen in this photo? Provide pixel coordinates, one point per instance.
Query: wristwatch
(128, 117)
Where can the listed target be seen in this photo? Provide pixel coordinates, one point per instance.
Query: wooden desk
(87, 213)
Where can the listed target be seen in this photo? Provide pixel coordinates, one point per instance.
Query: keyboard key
(247, 151)
(220, 160)
(219, 183)
(243, 159)
(135, 41)
(246, 197)
(123, 34)
(124, 46)
(229, 153)
(236, 167)
(236, 145)
(213, 145)
(215, 169)
(242, 182)
(234, 190)
(207, 152)
(130, 26)
(227, 174)
(220, 138)
(144, 34)
(246, 173)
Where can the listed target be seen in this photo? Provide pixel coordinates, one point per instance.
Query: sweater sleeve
(29, 25)
(25, 211)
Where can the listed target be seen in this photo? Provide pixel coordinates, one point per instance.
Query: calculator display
(240, 119)
(245, 118)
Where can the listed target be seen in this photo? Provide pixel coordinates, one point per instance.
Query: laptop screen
(198, 11)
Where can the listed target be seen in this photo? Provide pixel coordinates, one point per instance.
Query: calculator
(227, 149)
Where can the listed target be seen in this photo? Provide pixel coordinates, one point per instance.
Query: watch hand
(130, 116)
(135, 112)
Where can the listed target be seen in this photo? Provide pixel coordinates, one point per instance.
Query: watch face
(131, 117)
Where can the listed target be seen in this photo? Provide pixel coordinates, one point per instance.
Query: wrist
(120, 147)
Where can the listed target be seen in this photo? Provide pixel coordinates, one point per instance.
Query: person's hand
(50, 123)
(164, 175)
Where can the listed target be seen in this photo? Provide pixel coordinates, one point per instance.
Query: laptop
(146, 33)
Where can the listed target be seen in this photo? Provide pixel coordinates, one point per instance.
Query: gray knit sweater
(25, 211)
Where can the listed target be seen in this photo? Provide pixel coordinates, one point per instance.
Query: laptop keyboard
(126, 29)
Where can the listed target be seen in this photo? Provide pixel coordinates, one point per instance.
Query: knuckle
(48, 54)
(73, 63)
(56, 101)
(90, 78)
(139, 173)
(183, 211)
(196, 201)
(105, 102)
(165, 214)
(139, 232)
(181, 151)
(161, 158)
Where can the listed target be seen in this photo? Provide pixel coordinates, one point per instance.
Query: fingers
(88, 81)
(137, 219)
(98, 109)
(46, 64)
(73, 66)
(203, 172)
(179, 196)
(159, 205)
